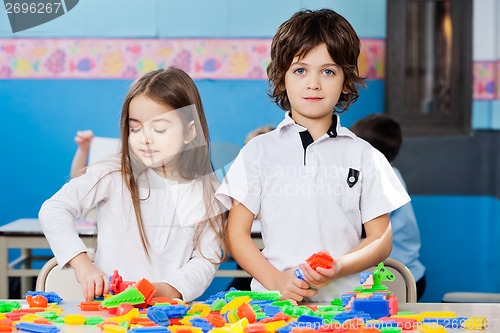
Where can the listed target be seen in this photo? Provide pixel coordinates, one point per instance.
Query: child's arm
(375, 248)
(93, 281)
(83, 139)
(163, 289)
(246, 253)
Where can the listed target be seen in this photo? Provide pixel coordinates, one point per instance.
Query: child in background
(83, 139)
(384, 133)
(157, 216)
(313, 182)
(79, 164)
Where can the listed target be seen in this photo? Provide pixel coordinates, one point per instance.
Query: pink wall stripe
(498, 79)
(202, 58)
(129, 58)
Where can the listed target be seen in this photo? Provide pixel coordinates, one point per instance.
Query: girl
(157, 217)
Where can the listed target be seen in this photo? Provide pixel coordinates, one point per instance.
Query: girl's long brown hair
(175, 89)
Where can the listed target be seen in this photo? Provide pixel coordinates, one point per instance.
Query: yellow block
(203, 309)
(235, 303)
(273, 326)
(174, 328)
(439, 314)
(29, 318)
(74, 319)
(221, 330)
(474, 323)
(431, 328)
(112, 328)
(239, 326)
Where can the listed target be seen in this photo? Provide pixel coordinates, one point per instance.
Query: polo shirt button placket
(312, 162)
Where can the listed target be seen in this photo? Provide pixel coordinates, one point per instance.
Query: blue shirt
(406, 237)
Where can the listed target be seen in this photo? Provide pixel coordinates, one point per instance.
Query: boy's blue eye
(329, 72)
(299, 71)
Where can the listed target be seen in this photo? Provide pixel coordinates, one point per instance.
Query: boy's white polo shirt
(312, 196)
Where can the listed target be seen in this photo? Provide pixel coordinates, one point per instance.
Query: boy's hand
(291, 287)
(93, 281)
(319, 278)
(83, 139)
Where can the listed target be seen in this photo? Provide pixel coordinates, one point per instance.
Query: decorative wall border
(217, 59)
(129, 58)
(498, 79)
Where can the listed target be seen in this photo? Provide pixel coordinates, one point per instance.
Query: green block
(130, 295)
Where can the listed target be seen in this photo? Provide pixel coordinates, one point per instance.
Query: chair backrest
(403, 286)
(61, 281)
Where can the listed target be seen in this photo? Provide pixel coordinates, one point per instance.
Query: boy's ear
(345, 90)
(190, 132)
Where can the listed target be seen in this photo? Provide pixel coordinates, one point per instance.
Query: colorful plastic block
(320, 259)
(130, 295)
(37, 328)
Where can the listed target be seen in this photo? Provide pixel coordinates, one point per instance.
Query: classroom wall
(72, 73)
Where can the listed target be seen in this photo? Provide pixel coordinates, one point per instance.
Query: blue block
(311, 320)
(346, 298)
(455, 323)
(376, 308)
(157, 316)
(271, 310)
(154, 329)
(346, 315)
(37, 328)
(298, 273)
(51, 296)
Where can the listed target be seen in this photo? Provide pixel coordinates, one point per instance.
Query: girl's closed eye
(135, 129)
(161, 130)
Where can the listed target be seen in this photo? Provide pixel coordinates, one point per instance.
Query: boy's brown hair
(300, 34)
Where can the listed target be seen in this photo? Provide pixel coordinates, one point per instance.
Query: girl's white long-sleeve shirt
(170, 211)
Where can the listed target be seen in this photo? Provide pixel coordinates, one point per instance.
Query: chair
(63, 282)
(102, 148)
(403, 286)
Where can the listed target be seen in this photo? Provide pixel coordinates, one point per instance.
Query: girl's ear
(190, 133)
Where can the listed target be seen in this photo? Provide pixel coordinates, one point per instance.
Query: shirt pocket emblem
(352, 177)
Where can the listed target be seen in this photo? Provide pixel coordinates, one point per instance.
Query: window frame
(458, 121)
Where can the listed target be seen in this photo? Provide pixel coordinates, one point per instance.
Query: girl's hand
(291, 287)
(93, 281)
(319, 278)
(83, 139)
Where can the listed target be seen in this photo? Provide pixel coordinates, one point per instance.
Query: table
(489, 310)
(26, 234)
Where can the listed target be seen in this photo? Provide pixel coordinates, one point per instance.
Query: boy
(313, 182)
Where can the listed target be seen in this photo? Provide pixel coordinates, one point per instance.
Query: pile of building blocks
(135, 309)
